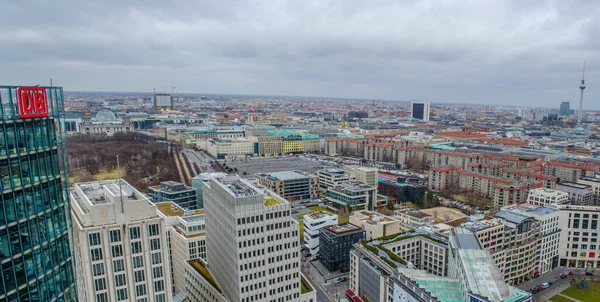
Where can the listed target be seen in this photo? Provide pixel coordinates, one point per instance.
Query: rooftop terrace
(171, 209)
(204, 272)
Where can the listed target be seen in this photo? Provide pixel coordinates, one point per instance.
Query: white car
(546, 284)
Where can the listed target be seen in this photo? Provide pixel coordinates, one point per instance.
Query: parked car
(589, 273)
(563, 276)
(340, 280)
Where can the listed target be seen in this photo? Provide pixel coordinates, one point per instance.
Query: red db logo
(32, 102)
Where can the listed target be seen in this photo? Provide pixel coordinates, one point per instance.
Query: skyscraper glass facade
(35, 256)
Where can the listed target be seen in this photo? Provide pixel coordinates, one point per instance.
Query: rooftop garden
(270, 202)
(199, 266)
(304, 287)
(377, 246)
(172, 209)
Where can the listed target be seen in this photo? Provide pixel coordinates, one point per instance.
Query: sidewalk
(324, 273)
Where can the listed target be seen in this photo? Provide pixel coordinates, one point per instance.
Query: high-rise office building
(121, 251)
(565, 108)
(251, 242)
(35, 255)
(420, 110)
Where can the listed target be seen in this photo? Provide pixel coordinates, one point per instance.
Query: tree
(390, 204)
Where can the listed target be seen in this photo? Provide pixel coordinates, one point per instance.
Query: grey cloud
(512, 52)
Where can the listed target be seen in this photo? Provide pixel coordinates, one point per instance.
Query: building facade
(120, 244)
(330, 178)
(594, 182)
(580, 236)
(420, 110)
(543, 196)
(367, 175)
(35, 254)
(176, 192)
(401, 191)
(105, 122)
(230, 148)
(353, 195)
(579, 193)
(335, 243)
(291, 185)
(186, 239)
(197, 182)
(375, 224)
(313, 222)
(411, 219)
(251, 242)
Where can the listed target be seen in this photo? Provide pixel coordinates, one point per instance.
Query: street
(198, 158)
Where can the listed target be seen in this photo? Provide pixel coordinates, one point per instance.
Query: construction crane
(542, 166)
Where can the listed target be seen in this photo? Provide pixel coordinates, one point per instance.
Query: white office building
(543, 196)
(251, 242)
(331, 178)
(119, 244)
(186, 238)
(313, 222)
(580, 236)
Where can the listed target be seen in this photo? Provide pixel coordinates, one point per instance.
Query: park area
(299, 217)
(576, 293)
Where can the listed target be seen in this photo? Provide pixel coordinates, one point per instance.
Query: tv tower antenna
(582, 87)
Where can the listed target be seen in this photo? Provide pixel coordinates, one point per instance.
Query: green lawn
(560, 299)
(592, 294)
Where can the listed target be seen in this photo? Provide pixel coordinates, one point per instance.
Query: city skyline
(509, 53)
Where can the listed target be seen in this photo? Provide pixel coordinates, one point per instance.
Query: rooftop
(170, 208)
(465, 239)
(269, 201)
(320, 214)
(287, 175)
(573, 185)
(592, 179)
(102, 192)
(342, 228)
(203, 270)
(483, 278)
(512, 216)
(414, 213)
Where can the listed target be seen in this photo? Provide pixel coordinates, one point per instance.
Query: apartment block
(579, 193)
(291, 185)
(120, 244)
(422, 252)
(543, 197)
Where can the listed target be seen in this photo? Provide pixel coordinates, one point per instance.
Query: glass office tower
(35, 256)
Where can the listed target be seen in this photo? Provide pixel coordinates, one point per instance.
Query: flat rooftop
(94, 193)
(512, 216)
(342, 228)
(172, 209)
(483, 278)
(287, 175)
(573, 185)
(362, 168)
(592, 179)
(356, 186)
(320, 214)
(465, 239)
(238, 187)
(547, 192)
(414, 213)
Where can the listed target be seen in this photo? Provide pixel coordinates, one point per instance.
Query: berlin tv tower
(582, 87)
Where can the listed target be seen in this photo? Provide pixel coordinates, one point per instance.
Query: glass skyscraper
(35, 256)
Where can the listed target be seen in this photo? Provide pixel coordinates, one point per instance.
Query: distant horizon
(193, 94)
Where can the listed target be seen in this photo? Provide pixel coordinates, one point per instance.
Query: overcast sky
(494, 52)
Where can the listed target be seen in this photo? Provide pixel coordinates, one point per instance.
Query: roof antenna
(120, 189)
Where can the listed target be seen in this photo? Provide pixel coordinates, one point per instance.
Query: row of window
(27, 136)
(28, 169)
(23, 204)
(22, 237)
